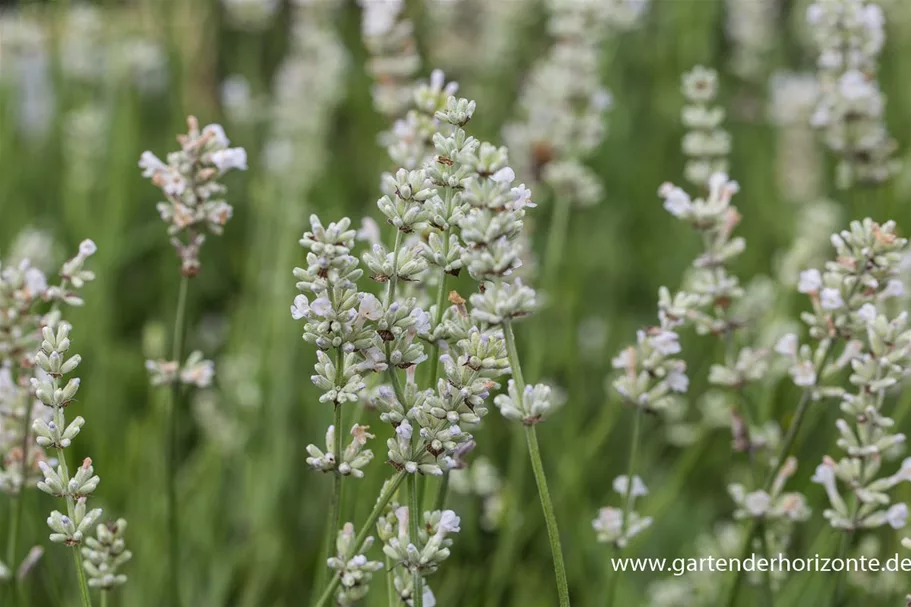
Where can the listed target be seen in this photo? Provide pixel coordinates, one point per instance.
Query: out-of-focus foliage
(85, 89)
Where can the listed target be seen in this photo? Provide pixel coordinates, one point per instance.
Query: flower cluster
(706, 144)
(617, 526)
(710, 289)
(750, 27)
(475, 36)
(649, 373)
(24, 294)
(844, 299)
(339, 318)
(410, 142)
(775, 505)
(196, 371)
(563, 104)
(421, 555)
(849, 35)
(311, 74)
(441, 415)
(388, 35)
(352, 566)
(866, 434)
(452, 207)
(190, 181)
(798, 158)
(354, 457)
(105, 554)
(58, 434)
(102, 556)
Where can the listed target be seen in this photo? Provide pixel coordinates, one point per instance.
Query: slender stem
(335, 502)
(767, 578)
(382, 502)
(744, 553)
(839, 590)
(70, 509)
(631, 469)
(534, 452)
(612, 581)
(391, 599)
(172, 455)
(514, 364)
(786, 446)
(441, 292)
(414, 520)
(517, 472)
(628, 501)
(104, 598)
(553, 533)
(83, 584)
(393, 280)
(843, 545)
(438, 317)
(12, 547)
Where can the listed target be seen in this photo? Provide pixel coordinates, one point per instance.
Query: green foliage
(253, 516)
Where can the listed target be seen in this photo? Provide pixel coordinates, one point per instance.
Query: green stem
(514, 364)
(786, 446)
(628, 501)
(172, 455)
(553, 532)
(766, 576)
(414, 521)
(441, 293)
(839, 591)
(393, 280)
(534, 452)
(12, 547)
(335, 501)
(843, 545)
(438, 317)
(517, 473)
(362, 535)
(104, 598)
(70, 509)
(631, 469)
(83, 585)
(391, 599)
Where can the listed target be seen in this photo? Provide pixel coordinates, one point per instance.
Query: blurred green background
(253, 514)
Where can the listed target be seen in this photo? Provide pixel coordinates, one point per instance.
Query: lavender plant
(850, 35)
(388, 34)
(70, 528)
(52, 363)
(191, 183)
(750, 27)
(561, 120)
(24, 295)
(462, 198)
(706, 144)
(862, 275)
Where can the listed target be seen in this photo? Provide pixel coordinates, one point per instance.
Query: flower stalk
(534, 453)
